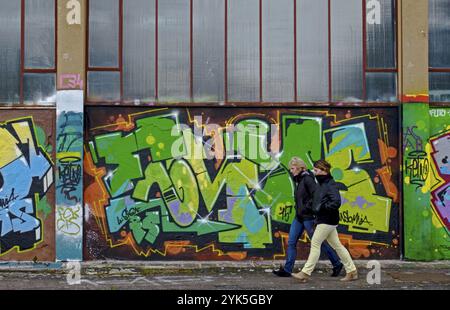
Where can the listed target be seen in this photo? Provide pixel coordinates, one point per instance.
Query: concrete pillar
(413, 88)
(69, 144)
(413, 50)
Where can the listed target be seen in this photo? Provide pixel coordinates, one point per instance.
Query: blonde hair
(298, 162)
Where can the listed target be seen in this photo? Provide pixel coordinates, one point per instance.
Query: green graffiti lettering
(301, 137)
(162, 177)
(124, 163)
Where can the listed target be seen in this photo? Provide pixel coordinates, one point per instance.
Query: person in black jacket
(305, 186)
(326, 203)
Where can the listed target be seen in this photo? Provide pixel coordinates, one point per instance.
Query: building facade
(162, 129)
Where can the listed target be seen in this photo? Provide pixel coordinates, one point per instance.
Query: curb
(137, 266)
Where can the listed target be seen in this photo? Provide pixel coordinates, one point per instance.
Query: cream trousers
(327, 232)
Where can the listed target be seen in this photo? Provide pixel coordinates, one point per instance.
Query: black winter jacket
(327, 195)
(305, 187)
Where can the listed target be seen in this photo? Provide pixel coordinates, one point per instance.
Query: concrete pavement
(248, 275)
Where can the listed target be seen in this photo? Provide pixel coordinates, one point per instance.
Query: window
(146, 51)
(27, 52)
(439, 57)
(380, 51)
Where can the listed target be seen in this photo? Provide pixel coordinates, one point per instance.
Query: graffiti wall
(27, 214)
(186, 184)
(440, 184)
(427, 182)
(440, 179)
(416, 167)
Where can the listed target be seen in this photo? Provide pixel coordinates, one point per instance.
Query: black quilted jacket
(305, 187)
(328, 200)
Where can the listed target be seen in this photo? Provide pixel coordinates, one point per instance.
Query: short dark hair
(323, 165)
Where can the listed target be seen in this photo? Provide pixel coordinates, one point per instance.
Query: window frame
(363, 101)
(24, 70)
(436, 70)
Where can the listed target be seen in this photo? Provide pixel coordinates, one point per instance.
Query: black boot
(337, 270)
(281, 272)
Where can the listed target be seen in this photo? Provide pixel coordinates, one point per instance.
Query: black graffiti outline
(285, 212)
(417, 167)
(5, 202)
(418, 140)
(69, 172)
(354, 219)
(77, 136)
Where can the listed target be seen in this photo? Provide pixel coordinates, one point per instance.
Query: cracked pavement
(213, 276)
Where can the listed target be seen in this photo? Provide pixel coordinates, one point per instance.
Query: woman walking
(327, 201)
(305, 187)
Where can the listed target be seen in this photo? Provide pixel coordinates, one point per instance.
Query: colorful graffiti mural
(441, 194)
(69, 194)
(176, 184)
(426, 182)
(440, 179)
(26, 176)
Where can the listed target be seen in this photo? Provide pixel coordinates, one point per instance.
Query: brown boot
(351, 276)
(303, 277)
